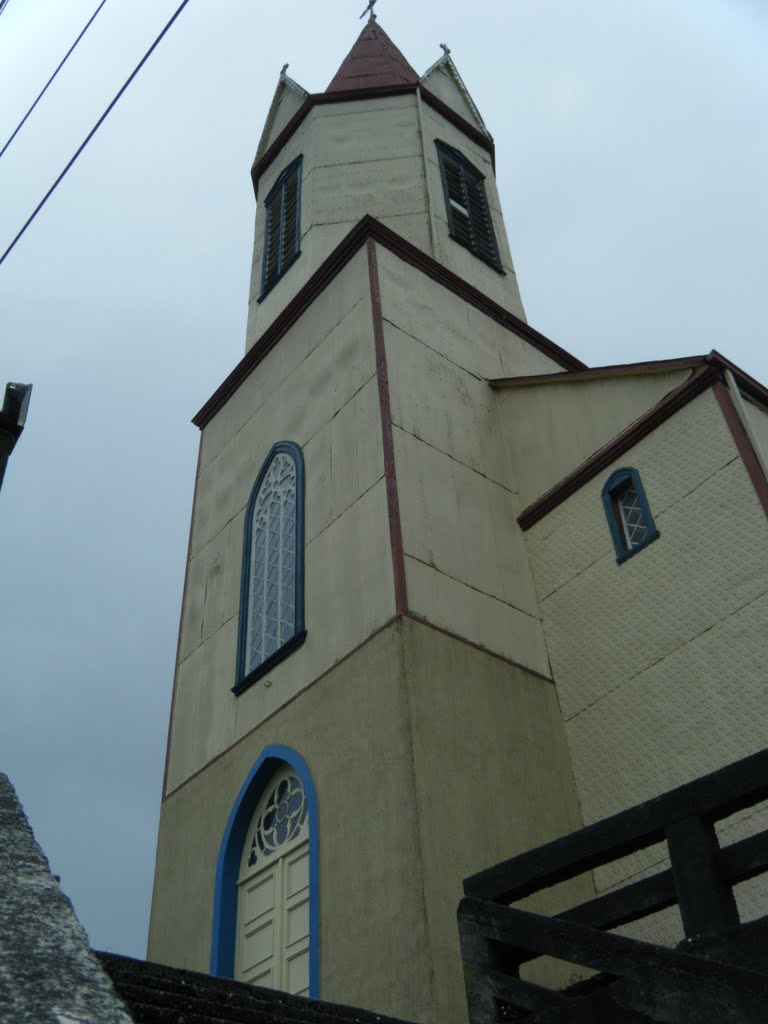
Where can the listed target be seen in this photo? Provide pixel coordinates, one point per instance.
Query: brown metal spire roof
(373, 62)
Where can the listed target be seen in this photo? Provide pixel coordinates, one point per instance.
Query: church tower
(363, 710)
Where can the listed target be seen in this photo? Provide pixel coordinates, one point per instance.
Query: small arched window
(629, 517)
(272, 590)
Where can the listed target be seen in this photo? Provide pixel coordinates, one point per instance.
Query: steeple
(374, 62)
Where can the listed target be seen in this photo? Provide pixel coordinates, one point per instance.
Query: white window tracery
(271, 611)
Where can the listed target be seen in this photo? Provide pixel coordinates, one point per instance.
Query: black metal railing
(497, 939)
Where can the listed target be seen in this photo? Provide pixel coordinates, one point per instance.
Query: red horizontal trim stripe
(702, 379)
(367, 228)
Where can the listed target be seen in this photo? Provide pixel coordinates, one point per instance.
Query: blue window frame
(466, 205)
(272, 588)
(629, 517)
(223, 939)
(282, 229)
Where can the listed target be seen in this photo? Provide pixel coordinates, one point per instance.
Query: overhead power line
(93, 131)
(42, 92)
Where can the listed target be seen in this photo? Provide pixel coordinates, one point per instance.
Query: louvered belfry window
(469, 219)
(282, 231)
(272, 592)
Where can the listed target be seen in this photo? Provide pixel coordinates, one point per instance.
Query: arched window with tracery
(272, 592)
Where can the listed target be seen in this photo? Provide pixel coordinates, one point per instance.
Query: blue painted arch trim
(615, 482)
(224, 934)
(242, 679)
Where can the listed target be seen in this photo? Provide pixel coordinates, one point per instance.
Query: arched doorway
(266, 895)
(272, 945)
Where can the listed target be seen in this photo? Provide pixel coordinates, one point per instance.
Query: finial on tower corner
(283, 70)
(446, 50)
(370, 7)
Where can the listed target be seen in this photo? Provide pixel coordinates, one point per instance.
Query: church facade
(450, 593)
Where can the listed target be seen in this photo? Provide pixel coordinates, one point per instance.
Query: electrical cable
(93, 131)
(42, 92)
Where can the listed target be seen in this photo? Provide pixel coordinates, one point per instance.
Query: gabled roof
(445, 65)
(374, 62)
(285, 85)
(154, 992)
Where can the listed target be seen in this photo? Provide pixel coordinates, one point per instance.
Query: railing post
(707, 903)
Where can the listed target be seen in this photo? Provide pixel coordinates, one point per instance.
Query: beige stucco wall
(564, 423)
(317, 388)
(377, 157)
(660, 661)
(466, 564)
(411, 742)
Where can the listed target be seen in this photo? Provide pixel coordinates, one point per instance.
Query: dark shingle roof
(157, 994)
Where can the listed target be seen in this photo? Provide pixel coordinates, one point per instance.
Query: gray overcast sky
(632, 158)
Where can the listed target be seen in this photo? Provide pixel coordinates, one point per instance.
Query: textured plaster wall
(411, 742)
(317, 388)
(501, 287)
(565, 423)
(352, 730)
(377, 157)
(362, 157)
(466, 564)
(492, 778)
(660, 661)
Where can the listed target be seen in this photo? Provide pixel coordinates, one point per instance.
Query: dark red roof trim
(260, 165)
(601, 372)
(743, 444)
(367, 228)
(747, 385)
(698, 382)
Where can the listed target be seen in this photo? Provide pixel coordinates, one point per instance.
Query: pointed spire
(373, 62)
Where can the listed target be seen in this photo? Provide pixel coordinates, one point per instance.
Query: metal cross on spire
(371, 4)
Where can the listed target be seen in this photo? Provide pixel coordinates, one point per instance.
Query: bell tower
(363, 710)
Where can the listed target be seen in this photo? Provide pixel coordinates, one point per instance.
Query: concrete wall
(466, 564)
(660, 661)
(377, 157)
(564, 423)
(317, 388)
